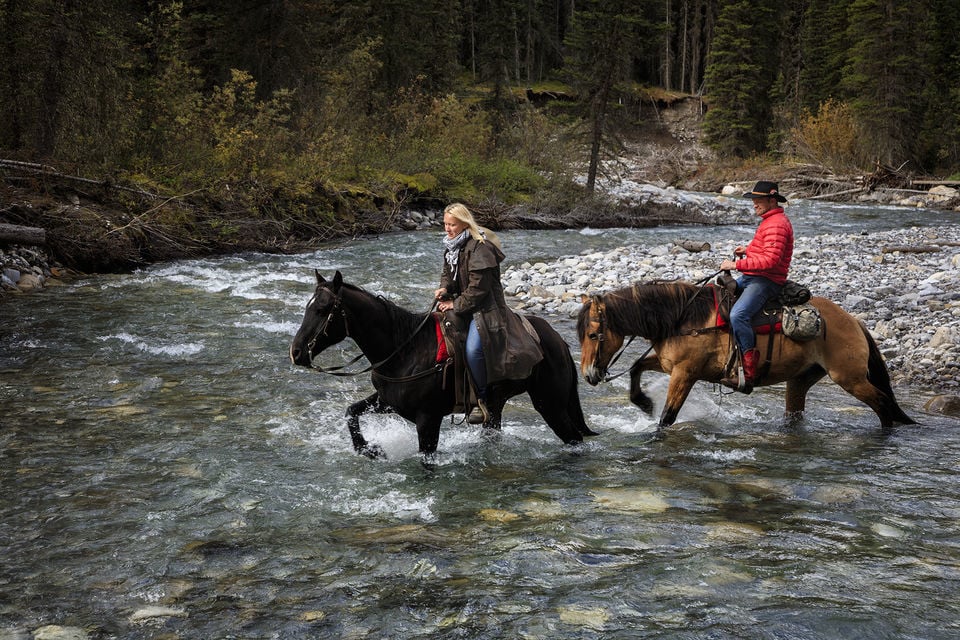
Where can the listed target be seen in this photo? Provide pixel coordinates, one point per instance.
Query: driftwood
(44, 170)
(17, 234)
(837, 193)
(693, 246)
(923, 248)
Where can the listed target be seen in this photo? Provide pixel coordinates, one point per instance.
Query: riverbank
(904, 285)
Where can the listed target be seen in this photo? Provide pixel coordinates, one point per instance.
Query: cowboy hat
(764, 189)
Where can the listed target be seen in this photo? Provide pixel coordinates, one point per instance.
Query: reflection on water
(167, 473)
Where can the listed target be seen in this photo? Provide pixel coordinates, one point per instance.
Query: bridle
(596, 302)
(337, 309)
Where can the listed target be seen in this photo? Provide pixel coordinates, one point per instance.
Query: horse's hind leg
(862, 389)
(354, 411)
(796, 395)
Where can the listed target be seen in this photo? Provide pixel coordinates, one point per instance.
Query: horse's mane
(654, 310)
(403, 321)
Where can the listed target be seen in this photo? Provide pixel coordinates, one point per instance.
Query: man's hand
(728, 265)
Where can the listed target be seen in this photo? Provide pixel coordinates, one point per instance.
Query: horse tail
(574, 408)
(879, 377)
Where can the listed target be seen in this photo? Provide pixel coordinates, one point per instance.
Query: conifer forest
(321, 107)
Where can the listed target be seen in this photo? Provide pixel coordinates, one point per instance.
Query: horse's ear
(337, 280)
(320, 279)
(584, 298)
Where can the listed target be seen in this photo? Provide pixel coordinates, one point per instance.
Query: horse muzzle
(300, 356)
(592, 375)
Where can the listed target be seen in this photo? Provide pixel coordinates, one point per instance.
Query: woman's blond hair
(461, 213)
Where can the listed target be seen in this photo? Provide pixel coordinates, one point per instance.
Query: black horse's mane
(655, 310)
(403, 321)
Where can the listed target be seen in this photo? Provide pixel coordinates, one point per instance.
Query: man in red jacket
(764, 264)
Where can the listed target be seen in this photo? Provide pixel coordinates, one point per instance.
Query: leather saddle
(766, 321)
(452, 340)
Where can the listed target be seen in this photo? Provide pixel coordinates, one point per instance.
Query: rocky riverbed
(904, 285)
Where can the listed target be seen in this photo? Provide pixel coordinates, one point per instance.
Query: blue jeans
(476, 361)
(756, 291)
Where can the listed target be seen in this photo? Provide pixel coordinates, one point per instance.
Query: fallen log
(910, 249)
(693, 246)
(845, 192)
(16, 234)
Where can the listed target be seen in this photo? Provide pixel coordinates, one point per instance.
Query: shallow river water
(166, 472)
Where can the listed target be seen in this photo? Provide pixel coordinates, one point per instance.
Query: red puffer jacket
(771, 249)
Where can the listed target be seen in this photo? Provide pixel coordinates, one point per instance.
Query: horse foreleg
(637, 395)
(677, 392)
(796, 394)
(428, 431)
(354, 411)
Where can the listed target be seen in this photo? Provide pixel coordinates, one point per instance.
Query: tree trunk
(17, 234)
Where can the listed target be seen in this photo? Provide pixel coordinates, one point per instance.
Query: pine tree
(741, 73)
(823, 46)
(604, 36)
(884, 74)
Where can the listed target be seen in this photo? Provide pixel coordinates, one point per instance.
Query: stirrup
(738, 383)
(479, 414)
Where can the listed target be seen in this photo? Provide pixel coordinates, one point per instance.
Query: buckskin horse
(680, 321)
(402, 348)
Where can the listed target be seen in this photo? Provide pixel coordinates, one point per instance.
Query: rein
(602, 322)
(339, 370)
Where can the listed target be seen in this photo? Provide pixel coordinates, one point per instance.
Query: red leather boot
(744, 379)
(750, 360)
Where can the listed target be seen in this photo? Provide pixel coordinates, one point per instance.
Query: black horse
(403, 347)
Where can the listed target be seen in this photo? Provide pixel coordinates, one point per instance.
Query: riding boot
(743, 378)
(750, 359)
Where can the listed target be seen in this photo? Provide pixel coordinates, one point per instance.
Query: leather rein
(602, 322)
(337, 309)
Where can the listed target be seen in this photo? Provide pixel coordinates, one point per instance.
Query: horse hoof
(372, 451)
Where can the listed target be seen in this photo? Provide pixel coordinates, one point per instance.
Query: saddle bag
(793, 294)
(801, 322)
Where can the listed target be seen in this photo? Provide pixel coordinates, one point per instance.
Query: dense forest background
(307, 111)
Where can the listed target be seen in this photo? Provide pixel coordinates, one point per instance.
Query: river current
(166, 472)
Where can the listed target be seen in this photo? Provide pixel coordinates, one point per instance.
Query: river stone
(944, 192)
(639, 500)
(590, 618)
(944, 336)
(56, 632)
(150, 612)
(947, 405)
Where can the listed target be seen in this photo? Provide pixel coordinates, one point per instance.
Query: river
(167, 473)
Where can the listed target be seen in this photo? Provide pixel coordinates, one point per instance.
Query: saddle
(451, 351)
(787, 313)
(770, 319)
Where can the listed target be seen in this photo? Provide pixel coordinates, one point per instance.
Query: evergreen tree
(939, 144)
(884, 75)
(740, 75)
(603, 39)
(823, 47)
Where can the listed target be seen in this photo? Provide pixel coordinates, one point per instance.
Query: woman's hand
(444, 306)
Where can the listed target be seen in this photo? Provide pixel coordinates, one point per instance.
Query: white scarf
(452, 247)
